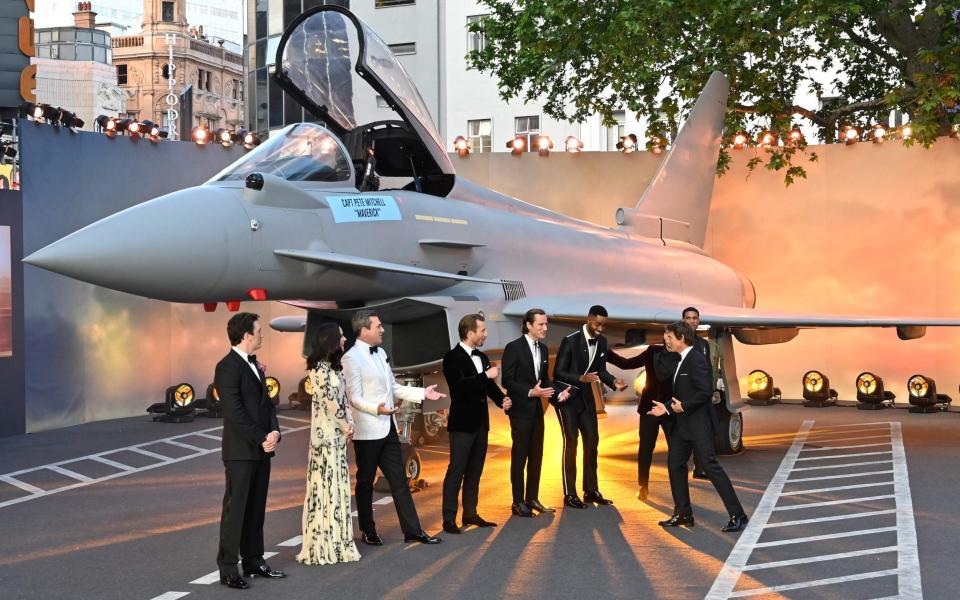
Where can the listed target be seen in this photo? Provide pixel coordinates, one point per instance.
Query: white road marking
(182, 445)
(33, 492)
(834, 502)
(69, 473)
(215, 576)
(845, 425)
(384, 500)
(294, 541)
(859, 515)
(843, 476)
(813, 583)
(849, 439)
(307, 421)
(170, 596)
(908, 568)
(819, 558)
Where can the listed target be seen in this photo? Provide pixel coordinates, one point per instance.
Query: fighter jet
(288, 222)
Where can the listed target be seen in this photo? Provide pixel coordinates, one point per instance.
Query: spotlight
(69, 120)
(178, 405)
(303, 396)
(9, 151)
(795, 136)
(517, 145)
(816, 390)
(544, 145)
(461, 145)
(850, 135)
(107, 125)
(124, 125)
(572, 144)
(135, 128)
(870, 392)
(878, 133)
(250, 139)
(273, 390)
(224, 136)
(655, 145)
(924, 397)
(27, 109)
(627, 143)
(906, 132)
(766, 139)
(200, 134)
(740, 140)
(760, 389)
(210, 404)
(955, 133)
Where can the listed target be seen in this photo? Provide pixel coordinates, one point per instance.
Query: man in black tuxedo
(693, 430)
(582, 361)
(525, 365)
(250, 436)
(659, 365)
(691, 316)
(471, 380)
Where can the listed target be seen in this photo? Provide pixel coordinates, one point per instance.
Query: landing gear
(730, 433)
(412, 467)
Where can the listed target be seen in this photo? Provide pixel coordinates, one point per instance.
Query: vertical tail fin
(682, 188)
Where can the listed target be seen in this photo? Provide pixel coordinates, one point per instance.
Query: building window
(389, 3)
(203, 80)
(401, 49)
(475, 39)
(121, 74)
(529, 129)
(479, 133)
(617, 131)
(165, 70)
(167, 12)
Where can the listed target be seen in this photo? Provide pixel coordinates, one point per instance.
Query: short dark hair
(362, 320)
(239, 325)
(469, 323)
(530, 316)
(682, 331)
(597, 311)
(690, 309)
(324, 341)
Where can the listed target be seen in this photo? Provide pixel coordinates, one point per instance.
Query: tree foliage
(654, 56)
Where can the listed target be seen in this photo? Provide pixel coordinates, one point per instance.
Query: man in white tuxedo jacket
(373, 394)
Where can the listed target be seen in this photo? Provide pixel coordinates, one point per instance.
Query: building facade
(213, 74)
(75, 70)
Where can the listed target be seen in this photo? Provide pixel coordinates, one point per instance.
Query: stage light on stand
(760, 389)
(572, 144)
(817, 392)
(924, 397)
(656, 145)
(303, 396)
(135, 128)
(462, 145)
(850, 135)
(740, 140)
(544, 145)
(516, 145)
(178, 405)
(210, 404)
(224, 137)
(878, 134)
(107, 125)
(906, 132)
(200, 135)
(766, 139)
(250, 139)
(627, 143)
(795, 136)
(273, 390)
(870, 392)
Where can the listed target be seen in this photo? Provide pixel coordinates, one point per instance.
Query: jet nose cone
(174, 248)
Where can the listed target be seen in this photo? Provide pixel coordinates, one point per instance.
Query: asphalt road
(139, 519)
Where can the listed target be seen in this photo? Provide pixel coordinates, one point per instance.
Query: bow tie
(374, 349)
(593, 342)
(253, 359)
(475, 352)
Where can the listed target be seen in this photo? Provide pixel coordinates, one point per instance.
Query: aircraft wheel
(730, 435)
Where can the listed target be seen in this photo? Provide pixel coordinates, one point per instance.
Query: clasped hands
(270, 443)
(659, 409)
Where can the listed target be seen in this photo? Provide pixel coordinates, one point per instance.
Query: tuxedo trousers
(526, 455)
(468, 451)
(706, 455)
(386, 454)
(241, 520)
(574, 425)
(649, 430)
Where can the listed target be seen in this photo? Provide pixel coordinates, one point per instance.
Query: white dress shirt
(476, 359)
(591, 349)
(534, 346)
(246, 359)
(683, 355)
(370, 383)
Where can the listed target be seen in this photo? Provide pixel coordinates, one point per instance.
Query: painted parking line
(215, 576)
(872, 532)
(171, 596)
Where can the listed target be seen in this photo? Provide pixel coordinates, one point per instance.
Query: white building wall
(88, 89)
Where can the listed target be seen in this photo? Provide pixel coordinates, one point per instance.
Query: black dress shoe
(451, 527)
(264, 570)
(596, 498)
(234, 581)
(573, 502)
(478, 521)
(677, 521)
(371, 539)
(642, 493)
(736, 523)
(540, 508)
(700, 474)
(521, 510)
(421, 537)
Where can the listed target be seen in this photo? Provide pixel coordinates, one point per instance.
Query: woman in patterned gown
(327, 525)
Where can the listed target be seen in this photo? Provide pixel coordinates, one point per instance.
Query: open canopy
(335, 66)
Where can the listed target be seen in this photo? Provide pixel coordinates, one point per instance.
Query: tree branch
(806, 112)
(869, 45)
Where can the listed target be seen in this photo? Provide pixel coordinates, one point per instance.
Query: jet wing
(345, 261)
(643, 309)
